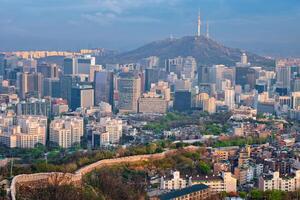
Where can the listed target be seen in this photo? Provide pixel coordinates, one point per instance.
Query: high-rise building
(30, 85)
(216, 76)
(51, 87)
(66, 84)
(114, 128)
(296, 85)
(48, 70)
(2, 57)
(104, 87)
(203, 75)
(82, 96)
(182, 101)
(34, 106)
(189, 68)
(153, 76)
(129, 89)
(209, 105)
(230, 98)
(26, 132)
(283, 77)
(296, 100)
(66, 131)
(245, 76)
(78, 65)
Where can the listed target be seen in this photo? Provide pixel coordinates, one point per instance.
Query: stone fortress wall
(77, 176)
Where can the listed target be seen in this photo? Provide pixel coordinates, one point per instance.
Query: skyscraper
(182, 101)
(283, 77)
(30, 84)
(82, 96)
(104, 87)
(245, 76)
(48, 70)
(78, 65)
(129, 89)
(230, 98)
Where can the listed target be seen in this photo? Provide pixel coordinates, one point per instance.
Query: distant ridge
(205, 50)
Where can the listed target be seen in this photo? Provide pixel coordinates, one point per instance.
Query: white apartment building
(289, 182)
(224, 183)
(174, 183)
(66, 131)
(26, 132)
(114, 127)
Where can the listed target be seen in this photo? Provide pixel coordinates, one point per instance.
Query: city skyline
(259, 26)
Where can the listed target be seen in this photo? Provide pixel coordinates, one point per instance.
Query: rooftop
(182, 192)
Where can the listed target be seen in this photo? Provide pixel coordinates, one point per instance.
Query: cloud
(109, 11)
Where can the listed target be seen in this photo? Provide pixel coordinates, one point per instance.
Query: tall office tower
(203, 75)
(216, 76)
(22, 84)
(230, 98)
(66, 84)
(182, 101)
(93, 70)
(296, 100)
(70, 66)
(283, 77)
(2, 57)
(36, 85)
(229, 73)
(104, 87)
(84, 64)
(153, 76)
(48, 70)
(175, 65)
(78, 65)
(51, 87)
(189, 68)
(150, 62)
(129, 88)
(30, 85)
(296, 85)
(244, 59)
(82, 96)
(245, 76)
(66, 131)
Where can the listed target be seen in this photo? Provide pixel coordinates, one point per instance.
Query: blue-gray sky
(264, 26)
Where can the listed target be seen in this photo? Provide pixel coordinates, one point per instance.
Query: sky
(268, 27)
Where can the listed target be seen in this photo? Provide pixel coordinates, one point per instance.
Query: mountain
(205, 50)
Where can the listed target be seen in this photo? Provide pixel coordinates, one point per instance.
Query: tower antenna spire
(199, 24)
(207, 29)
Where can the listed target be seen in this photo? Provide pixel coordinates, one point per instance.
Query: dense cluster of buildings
(77, 100)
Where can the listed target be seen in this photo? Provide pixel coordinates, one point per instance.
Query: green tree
(256, 194)
(204, 167)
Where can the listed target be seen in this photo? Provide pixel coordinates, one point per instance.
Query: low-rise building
(273, 181)
(174, 183)
(224, 183)
(197, 192)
